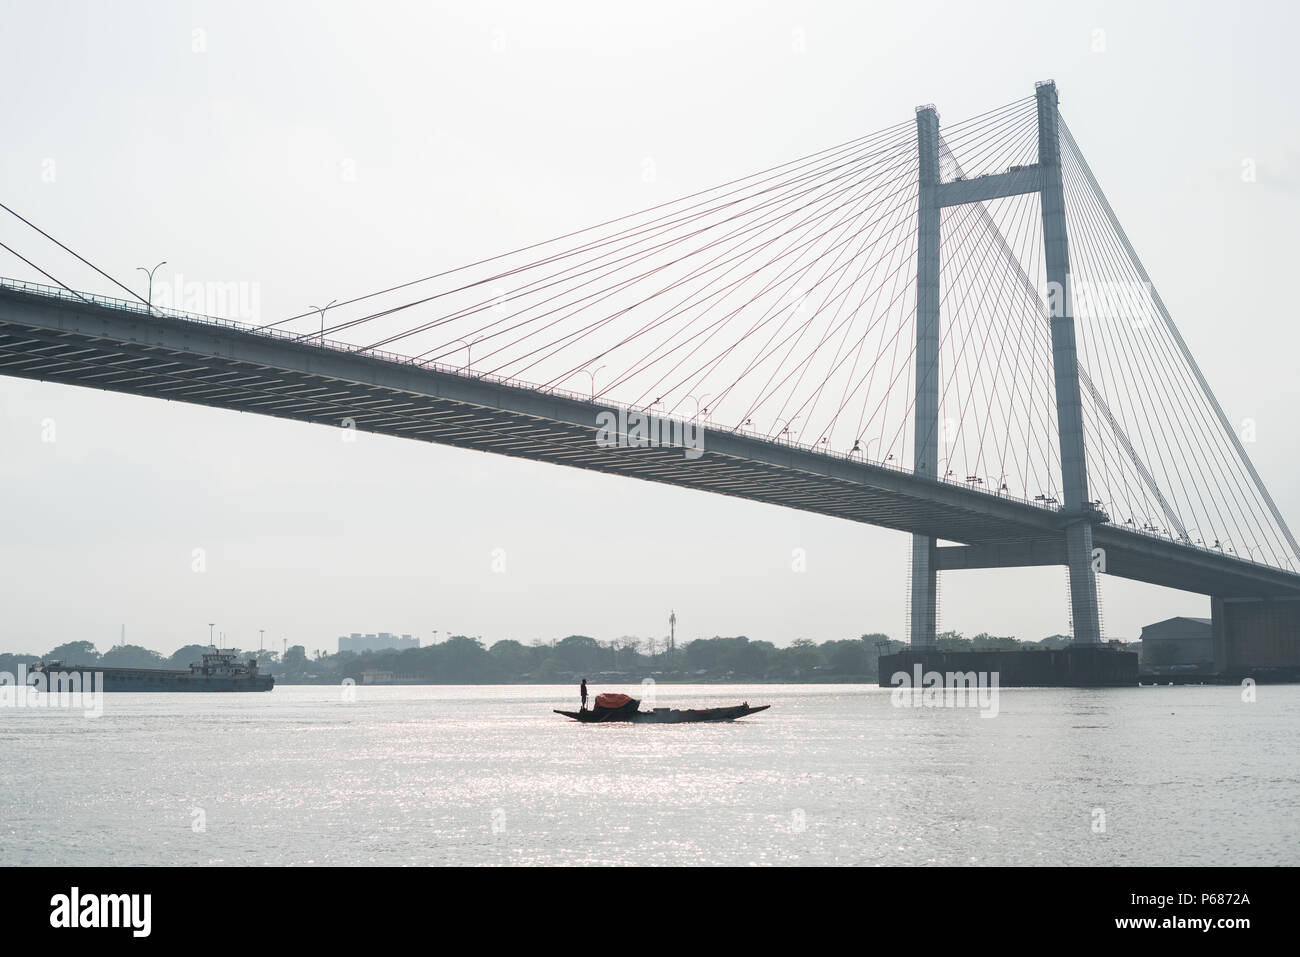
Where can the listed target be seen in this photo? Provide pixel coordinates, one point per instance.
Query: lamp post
(321, 310)
(698, 402)
(591, 373)
(788, 423)
(469, 351)
(149, 273)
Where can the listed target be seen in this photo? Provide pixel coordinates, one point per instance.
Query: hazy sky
(319, 151)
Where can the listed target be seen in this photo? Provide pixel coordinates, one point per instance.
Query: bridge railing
(815, 448)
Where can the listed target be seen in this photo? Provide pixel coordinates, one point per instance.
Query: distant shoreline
(595, 680)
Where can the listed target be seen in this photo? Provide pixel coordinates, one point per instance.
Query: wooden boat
(631, 711)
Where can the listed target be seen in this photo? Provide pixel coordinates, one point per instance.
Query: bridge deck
(121, 349)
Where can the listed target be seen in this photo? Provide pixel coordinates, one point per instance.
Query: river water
(488, 775)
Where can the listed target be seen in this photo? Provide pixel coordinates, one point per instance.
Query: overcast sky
(319, 151)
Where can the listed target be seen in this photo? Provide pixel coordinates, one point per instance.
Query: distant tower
(672, 631)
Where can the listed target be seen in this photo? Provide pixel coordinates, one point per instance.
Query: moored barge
(220, 670)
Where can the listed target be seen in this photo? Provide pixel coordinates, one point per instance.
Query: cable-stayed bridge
(938, 329)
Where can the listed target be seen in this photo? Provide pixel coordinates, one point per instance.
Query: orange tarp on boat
(612, 700)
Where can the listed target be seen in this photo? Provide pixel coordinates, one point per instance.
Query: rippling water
(488, 775)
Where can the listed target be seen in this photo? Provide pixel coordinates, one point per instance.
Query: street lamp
(469, 351)
(321, 310)
(149, 273)
(588, 372)
(699, 402)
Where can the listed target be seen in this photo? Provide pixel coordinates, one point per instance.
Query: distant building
(1178, 645)
(383, 641)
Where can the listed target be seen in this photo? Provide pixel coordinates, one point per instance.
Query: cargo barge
(220, 670)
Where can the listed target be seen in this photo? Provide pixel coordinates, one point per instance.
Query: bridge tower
(1078, 513)
(925, 452)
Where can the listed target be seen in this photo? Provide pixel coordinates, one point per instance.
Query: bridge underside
(1152, 560)
(119, 350)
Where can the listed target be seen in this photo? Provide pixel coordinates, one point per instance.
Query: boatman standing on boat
(583, 689)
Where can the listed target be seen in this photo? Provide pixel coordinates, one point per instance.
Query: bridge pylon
(933, 196)
(923, 621)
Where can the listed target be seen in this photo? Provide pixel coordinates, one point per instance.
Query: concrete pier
(1256, 638)
(1079, 666)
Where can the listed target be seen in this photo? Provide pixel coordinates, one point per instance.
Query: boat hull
(186, 683)
(154, 680)
(661, 715)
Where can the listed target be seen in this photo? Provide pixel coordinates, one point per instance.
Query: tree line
(466, 660)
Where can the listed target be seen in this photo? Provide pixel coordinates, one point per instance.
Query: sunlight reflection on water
(488, 775)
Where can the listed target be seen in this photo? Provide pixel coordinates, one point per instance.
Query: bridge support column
(1065, 364)
(1256, 638)
(925, 452)
(1085, 611)
(923, 622)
